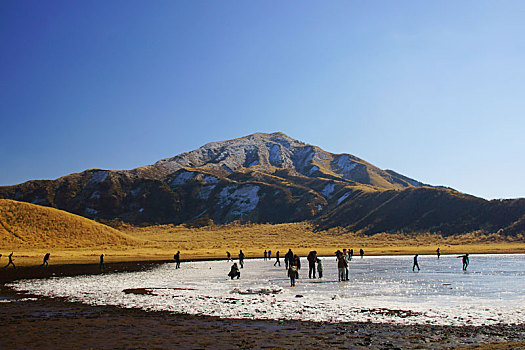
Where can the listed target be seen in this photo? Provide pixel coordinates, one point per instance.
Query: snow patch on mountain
(206, 191)
(328, 190)
(182, 178)
(210, 180)
(242, 200)
(346, 164)
(343, 197)
(98, 177)
(313, 170)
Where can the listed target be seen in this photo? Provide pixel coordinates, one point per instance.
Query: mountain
(269, 178)
(25, 224)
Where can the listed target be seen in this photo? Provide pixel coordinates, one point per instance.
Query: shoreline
(79, 325)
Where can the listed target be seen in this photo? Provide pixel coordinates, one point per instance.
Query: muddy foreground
(51, 323)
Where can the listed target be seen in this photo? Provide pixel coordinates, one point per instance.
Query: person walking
(438, 252)
(415, 264)
(277, 261)
(176, 257)
(46, 259)
(241, 258)
(10, 262)
(228, 256)
(341, 267)
(265, 255)
(269, 255)
(361, 253)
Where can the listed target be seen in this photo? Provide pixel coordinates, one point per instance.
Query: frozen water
(381, 289)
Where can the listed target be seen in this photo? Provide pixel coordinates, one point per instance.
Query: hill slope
(29, 225)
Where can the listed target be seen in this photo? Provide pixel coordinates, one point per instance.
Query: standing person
(438, 252)
(466, 261)
(312, 257)
(361, 252)
(46, 258)
(228, 256)
(293, 272)
(10, 262)
(234, 271)
(176, 257)
(288, 258)
(269, 255)
(101, 265)
(277, 261)
(265, 255)
(340, 268)
(241, 258)
(415, 264)
(351, 253)
(297, 262)
(345, 267)
(319, 268)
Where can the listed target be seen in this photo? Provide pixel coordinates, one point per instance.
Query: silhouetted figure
(234, 271)
(312, 257)
(293, 271)
(101, 265)
(277, 261)
(341, 267)
(241, 258)
(269, 255)
(10, 262)
(265, 255)
(46, 259)
(438, 252)
(288, 257)
(319, 268)
(361, 252)
(350, 254)
(176, 257)
(415, 264)
(466, 261)
(228, 256)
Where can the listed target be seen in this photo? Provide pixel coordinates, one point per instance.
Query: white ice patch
(98, 176)
(343, 197)
(141, 210)
(327, 190)
(381, 289)
(183, 178)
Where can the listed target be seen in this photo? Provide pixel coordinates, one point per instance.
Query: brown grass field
(30, 231)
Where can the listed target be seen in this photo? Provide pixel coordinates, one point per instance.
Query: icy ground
(381, 289)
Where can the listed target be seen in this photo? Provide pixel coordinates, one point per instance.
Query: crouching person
(234, 272)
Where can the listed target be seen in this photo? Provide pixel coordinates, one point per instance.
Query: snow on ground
(346, 164)
(381, 289)
(182, 178)
(98, 176)
(242, 200)
(206, 191)
(327, 190)
(343, 197)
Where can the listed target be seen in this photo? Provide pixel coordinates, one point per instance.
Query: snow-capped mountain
(269, 178)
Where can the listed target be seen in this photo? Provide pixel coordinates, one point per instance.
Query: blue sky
(432, 90)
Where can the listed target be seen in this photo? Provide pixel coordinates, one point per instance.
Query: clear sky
(434, 90)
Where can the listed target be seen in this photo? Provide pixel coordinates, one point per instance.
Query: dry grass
(31, 231)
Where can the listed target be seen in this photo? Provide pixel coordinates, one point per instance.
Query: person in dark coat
(176, 257)
(234, 271)
(312, 257)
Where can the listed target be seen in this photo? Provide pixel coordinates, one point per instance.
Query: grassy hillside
(28, 225)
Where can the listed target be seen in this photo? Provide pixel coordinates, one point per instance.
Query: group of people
(10, 262)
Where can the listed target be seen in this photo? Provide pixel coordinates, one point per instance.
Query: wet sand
(50, 323)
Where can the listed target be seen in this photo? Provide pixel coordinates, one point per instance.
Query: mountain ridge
(269, 178)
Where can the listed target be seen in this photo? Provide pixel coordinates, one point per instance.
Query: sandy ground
(50, 323)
